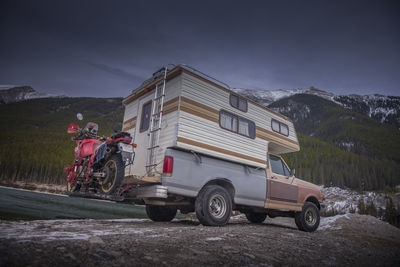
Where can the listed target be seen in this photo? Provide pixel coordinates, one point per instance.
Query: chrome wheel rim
(310, 217)
(217, 206)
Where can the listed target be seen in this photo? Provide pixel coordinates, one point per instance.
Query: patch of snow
(346, 200)
(384, 112)
(268, 96)
(328, 223)
(49, 230)
(347, 145)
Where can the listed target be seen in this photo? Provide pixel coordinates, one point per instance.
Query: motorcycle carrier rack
(95, 196)
(137, 188)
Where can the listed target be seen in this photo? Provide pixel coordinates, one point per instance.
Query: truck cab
(287, 194)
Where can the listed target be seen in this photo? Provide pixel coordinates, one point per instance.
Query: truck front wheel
(308, 219)
(160, 213)
(213, 206)
(256, 217)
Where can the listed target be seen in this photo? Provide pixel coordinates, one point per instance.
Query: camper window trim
(280, 124)
(141, 130)
(237, 104)
(251, 135)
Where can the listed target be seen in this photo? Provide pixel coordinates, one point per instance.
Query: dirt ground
(342, 240)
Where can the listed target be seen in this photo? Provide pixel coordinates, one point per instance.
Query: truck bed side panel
(192, 171)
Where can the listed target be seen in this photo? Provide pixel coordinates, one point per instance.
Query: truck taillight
(168, 166)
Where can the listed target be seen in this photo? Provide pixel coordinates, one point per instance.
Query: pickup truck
(213, 188)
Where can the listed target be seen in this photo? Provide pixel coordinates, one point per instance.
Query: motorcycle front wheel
(114, 174)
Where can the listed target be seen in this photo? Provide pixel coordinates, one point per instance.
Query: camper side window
(237, 124)
(238, 102)
(228, 121)
(247, 128)
(280, 127)
(145, 120)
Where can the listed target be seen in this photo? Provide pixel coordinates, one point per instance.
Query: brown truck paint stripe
(282, 205)
(220, 150)
(129, 124)
(284, 200)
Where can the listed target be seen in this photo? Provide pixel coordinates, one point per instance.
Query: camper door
(141, 135)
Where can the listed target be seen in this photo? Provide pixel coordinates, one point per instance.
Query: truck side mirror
(292, 172)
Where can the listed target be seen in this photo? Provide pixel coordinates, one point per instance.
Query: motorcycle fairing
(87, 147)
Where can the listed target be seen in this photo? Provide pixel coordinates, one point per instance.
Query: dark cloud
(115, 71)
(81, 47)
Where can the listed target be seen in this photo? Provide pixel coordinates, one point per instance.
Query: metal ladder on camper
(155, 122)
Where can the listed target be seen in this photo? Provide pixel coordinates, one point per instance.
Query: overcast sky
(107, 48)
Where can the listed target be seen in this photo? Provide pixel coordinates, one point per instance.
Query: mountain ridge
(385, 109)
(21, 93)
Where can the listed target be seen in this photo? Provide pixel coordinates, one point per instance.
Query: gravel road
(342, 240)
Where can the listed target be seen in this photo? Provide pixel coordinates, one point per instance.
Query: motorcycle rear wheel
(114, 170)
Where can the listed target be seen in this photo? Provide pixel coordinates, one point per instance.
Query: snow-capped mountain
(386, 109)
(10, 94)
(266, 97)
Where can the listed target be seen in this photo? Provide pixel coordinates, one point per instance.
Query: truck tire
(115, 170)
(308, 219)
(213, 206)
(256, 217)
(297, 216)
(161, 213)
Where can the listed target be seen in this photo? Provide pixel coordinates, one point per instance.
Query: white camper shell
(202, 115)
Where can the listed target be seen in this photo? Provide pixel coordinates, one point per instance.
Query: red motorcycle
(100, 163)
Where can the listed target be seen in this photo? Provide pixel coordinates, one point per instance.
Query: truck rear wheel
(256, 217)
(213, 206)
(160, 213)
(308, 219)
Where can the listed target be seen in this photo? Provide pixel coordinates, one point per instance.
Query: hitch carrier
(133, 188)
